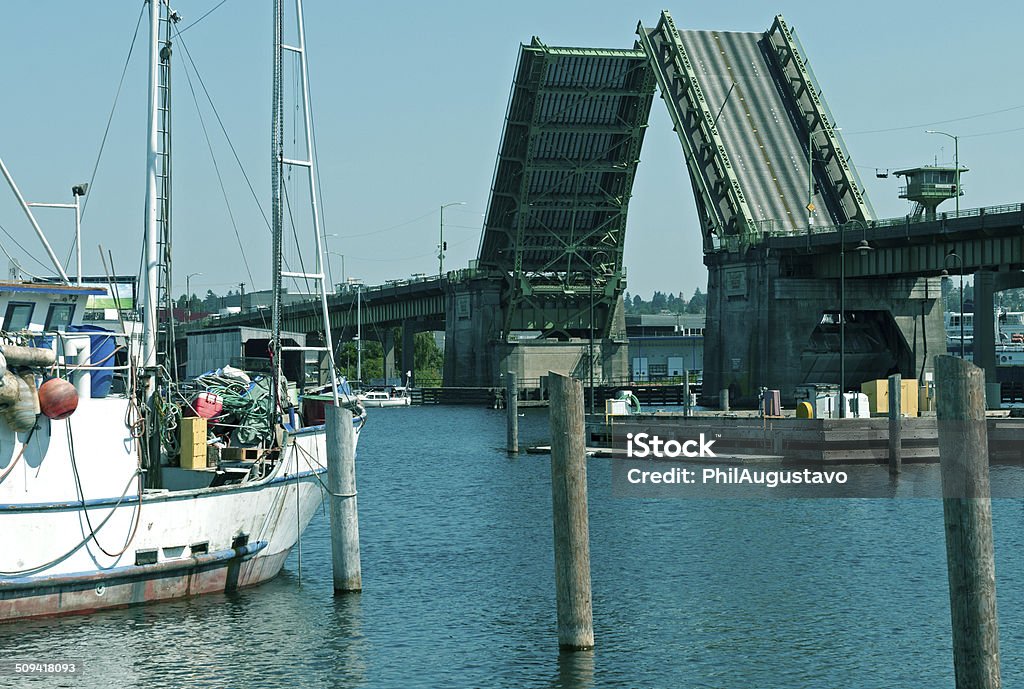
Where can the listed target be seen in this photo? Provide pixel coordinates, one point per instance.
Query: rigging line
(220, 180)
(929, 124)
(27, 253)
(320, 192)
(224, 131)
(85, 540)
(295, 235)
(409, 258)
(93, 531)
(208, 13)
(113, 107)
(387, 229)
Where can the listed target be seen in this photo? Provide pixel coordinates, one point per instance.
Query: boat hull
(395, 402)
(62, 557)
(218, 573)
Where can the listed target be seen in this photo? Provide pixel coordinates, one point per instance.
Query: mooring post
(341, 482)
(723, 399)
(967, 509)
(686, 392)
(895, 424)
(569, 514)
(512, 412)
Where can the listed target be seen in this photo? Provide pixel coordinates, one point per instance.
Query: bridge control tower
(929, 186)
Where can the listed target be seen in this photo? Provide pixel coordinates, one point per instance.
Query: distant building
(263, 299)
(664, 346)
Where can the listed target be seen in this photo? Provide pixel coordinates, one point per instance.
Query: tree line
(662, 302)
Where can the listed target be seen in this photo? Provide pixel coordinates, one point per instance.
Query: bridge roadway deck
(984, 238)
(382, 306)
(769, 158)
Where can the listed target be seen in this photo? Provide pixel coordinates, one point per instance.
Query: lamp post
(77, 191)
(344, 281)
(862, 248)
(188, 296)
(960, 262)
(440, 245)
(956, 164)
(811, 133)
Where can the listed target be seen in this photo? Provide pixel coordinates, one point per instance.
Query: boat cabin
(39, 307)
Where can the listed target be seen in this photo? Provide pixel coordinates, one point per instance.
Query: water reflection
(575, 670)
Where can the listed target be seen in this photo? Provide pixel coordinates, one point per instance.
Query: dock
(748, 437)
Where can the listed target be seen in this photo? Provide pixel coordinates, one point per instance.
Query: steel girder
(557, 216)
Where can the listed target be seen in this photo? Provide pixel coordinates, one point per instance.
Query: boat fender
(58, 398)
(8, 390)
(37, 357)
(30, 381)
(21, 416)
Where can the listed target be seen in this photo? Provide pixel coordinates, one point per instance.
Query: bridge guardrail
(899, 221)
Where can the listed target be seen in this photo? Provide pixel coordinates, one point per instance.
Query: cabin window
(18, 316)
(59, 316)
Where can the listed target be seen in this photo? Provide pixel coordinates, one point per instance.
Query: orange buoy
(58, 398)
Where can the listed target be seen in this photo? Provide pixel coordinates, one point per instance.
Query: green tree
(698, 302)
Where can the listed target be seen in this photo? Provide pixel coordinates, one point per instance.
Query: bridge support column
(984, 323)
(387, 341)
(473, 325)
(408, 351)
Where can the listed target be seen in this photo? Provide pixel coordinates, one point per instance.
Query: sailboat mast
(277, 209)
(359, 334)
(149, 300)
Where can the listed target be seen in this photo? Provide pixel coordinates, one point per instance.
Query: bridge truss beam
(557, 216)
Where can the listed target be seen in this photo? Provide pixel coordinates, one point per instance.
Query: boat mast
(149, 301)
(277, 211)
(151, 451)
(359, 334)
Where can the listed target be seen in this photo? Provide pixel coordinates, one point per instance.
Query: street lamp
(862, 248)
(960, 262)
(811, 133)
(335, 253)
(77, 191)
(188, 296)
(441, 244)
(956, 164)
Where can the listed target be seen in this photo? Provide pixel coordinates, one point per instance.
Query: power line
(932, 124)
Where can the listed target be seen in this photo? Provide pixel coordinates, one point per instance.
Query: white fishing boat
(100, 507)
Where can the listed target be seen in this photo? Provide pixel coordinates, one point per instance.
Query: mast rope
(110, 117)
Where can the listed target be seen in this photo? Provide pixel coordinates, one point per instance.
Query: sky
(409, 102)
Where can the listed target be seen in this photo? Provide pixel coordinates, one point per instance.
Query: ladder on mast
(166, 353)
(307, 163)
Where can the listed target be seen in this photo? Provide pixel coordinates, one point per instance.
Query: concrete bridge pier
(409, 331)
(769, 330)
(473, 322)
(387, 341)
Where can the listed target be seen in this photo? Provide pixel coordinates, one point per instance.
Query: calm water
(459, 587)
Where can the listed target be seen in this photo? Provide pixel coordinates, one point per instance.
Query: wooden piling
(569, 514)
(967, 510)
(341, 482)
(687, 411)
(512, 413)
(895, 424)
